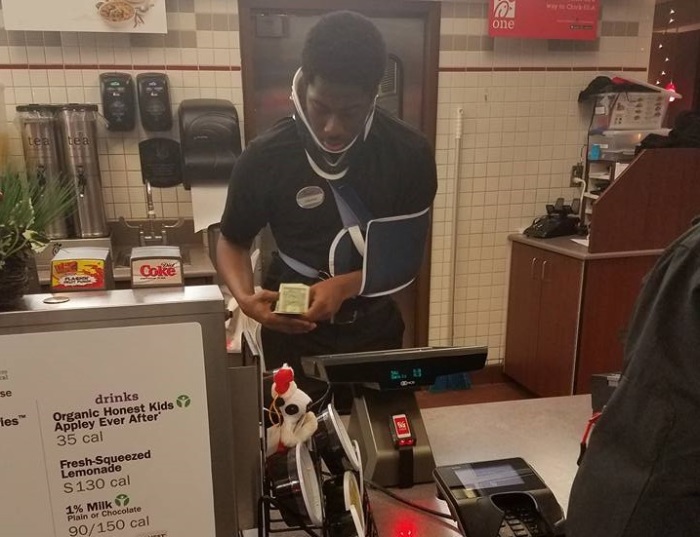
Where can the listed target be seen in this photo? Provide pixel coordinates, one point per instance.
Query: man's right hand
(259, 306)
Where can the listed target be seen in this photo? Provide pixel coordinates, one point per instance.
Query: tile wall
(521, 128)
(200, 54)
(522, 132)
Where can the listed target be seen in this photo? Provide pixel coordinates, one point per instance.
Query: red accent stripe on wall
(143, 67)
(536, 69)
(119, 67)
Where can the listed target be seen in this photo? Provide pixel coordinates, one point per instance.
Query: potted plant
(27, 206)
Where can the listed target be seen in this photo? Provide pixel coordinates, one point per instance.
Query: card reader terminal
(501, 498)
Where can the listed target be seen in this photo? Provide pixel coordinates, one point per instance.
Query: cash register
(500, 498)
(385, 418)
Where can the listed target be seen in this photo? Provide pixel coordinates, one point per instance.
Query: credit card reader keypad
(520, 520)
(501, 498)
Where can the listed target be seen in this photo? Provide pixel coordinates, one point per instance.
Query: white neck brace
(330, 165)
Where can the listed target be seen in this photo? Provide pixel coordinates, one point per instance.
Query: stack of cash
(294, 298)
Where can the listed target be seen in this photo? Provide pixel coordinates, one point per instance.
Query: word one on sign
(544, 19)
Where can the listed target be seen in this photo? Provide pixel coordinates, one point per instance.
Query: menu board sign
(545, 19)
(138, 16)
(105, 432)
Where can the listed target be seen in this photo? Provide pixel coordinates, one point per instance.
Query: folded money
(294, 298)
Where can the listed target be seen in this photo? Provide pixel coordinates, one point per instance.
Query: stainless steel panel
(78, 129)
(42, 154)
(244, 382)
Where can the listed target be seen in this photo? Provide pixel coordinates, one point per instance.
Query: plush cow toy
(289, 406)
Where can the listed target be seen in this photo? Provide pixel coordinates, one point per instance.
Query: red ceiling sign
(544, 19)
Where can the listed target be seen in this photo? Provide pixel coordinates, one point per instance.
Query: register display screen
(489, 477)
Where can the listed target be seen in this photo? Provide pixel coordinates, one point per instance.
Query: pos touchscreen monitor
(394, 369)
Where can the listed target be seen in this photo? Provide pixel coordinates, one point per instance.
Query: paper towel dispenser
(210, 140)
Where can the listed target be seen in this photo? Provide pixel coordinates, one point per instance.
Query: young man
(316, 179)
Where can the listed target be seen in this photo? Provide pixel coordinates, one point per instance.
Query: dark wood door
(560, 291)
(523, 315)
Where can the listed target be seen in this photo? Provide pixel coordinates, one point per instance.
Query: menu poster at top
(105, 433)
(544, 19)
(136, 16)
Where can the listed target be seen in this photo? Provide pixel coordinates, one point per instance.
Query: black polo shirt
(393, 173)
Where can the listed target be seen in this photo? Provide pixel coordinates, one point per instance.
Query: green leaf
(27, 207)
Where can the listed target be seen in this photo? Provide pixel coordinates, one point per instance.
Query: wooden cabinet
(568, 312)
(569, 305)
(543, 306)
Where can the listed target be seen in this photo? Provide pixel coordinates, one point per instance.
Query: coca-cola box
(156, 266)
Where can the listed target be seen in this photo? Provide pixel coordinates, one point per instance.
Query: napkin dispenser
(210, 140)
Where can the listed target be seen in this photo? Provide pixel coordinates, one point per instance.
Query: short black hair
(346, 48)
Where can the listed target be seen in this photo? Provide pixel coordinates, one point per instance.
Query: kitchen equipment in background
(118, 101)
(160, 162)
(154, 101)
(42, 154)
(160, 168)
(78, 138)
(390, 96)
(210, 140)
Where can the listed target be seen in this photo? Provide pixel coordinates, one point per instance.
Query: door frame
(430, 13)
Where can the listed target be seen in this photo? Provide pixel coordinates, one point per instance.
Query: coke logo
(164, 270)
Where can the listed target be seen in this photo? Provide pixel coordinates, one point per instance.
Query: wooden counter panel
(650, 204)
(610, 291)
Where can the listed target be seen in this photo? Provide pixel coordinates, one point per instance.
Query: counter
(545, 432)
(565, 246)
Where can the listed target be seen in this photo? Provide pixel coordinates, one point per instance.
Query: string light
(665, 77)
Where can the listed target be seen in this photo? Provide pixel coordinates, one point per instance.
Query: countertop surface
(545, 432)
(566, 246)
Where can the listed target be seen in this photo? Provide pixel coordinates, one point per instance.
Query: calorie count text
(107, 526)
(110, 416)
